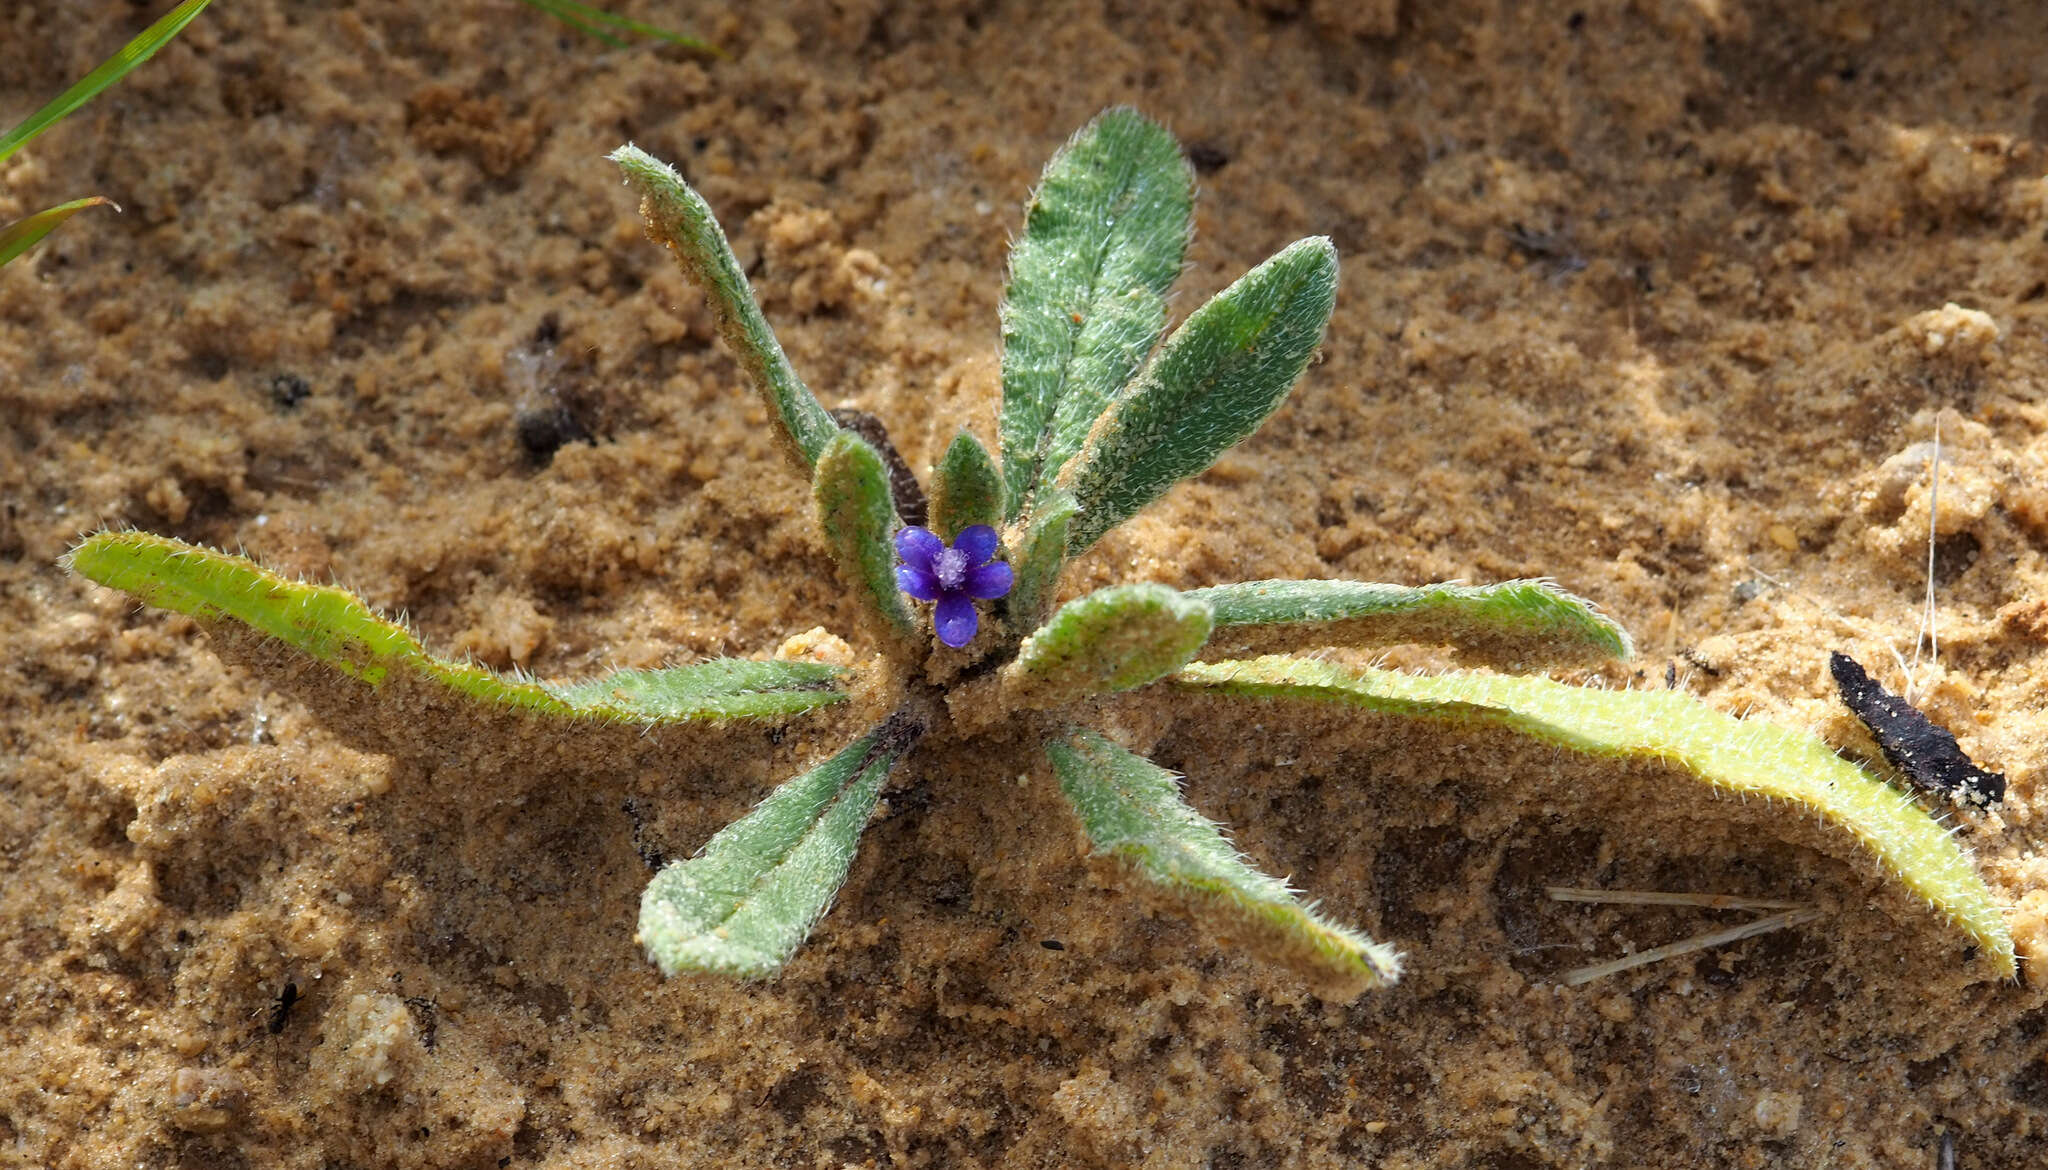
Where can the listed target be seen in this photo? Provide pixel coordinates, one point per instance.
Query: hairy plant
(1099, 417)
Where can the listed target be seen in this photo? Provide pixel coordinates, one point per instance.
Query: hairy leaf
(1038, 555)
(854, 508)
(1114, 639)
(1133, 809)
(1506, 623)
(679, 220)
(1103, 239)
(334, 626)
(1742, 756)
(967, 488)
(748, 899)
(1220, 375)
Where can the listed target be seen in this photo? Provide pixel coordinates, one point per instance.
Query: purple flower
(954, 577)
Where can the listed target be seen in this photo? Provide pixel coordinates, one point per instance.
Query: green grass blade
(1114, 639)
(1104, 236)
(679, 220)
(967, 488)
(858, 516)
(585, 18)
(1220, 376)
(335, 627)
(111, 70)
(1740, 756)
(749, 898)
(26, 232)
(1132, 809)
(1508, 624)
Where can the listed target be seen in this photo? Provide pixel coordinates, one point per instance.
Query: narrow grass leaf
(1132, 809)
(335, 627)
(967, 488)
(1104, 236)
(1114, 639)
(1507, 624)
(1741, 756)
(679, 220)
(26, 232)
(113, 69)
(744, 904)
(855, 510)
(1221, 375)
(592, 20)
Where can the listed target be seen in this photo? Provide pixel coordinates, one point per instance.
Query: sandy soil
(1645, 297)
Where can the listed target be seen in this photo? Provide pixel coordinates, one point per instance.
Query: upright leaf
(744, 904)
(333, 626)
(854, 509)
(679, 220)
(1745, 757)
(1221, 374)
(1506, 623)
(24, 233)
(1133, 809)
(1039, 553)
(113, 69)
(967, 488)
(1104, 236)
(1114, 639)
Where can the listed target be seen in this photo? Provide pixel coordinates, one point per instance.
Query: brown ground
(1632, 298)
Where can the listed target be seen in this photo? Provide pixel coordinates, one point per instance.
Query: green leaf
(592, 21)
(679, 219)
(1133, 809)
(1104, 236)
(1221, 375)
(333, 626)
(23, 233)
(1114, 639)
(858, 516)
(1038, 556)
(744, 904)
(1506, 623)
(1746, 757)
(967, 489)
(113, 69)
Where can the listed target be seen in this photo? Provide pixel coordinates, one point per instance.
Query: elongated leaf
(1133, 809)
(1114, 639)
(113, 69)
(593, 21)
(1103, 239)
(744, 904)
(1221, 375)
(1505, 623)
(854, 508)
(333, 626)
(967, 489)
(23, 233)
(1040, 552)
(679, 220)
(1742, 756)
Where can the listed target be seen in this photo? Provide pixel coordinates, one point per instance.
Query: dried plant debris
(1923, 750)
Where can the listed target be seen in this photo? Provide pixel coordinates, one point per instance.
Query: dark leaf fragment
(1924, 751)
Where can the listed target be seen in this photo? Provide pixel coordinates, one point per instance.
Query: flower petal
(917, 546)
(955, 620)
(917, 583)
(990, 580)
(978, 541)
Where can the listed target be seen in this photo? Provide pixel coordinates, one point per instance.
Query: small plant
(1099, 418)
